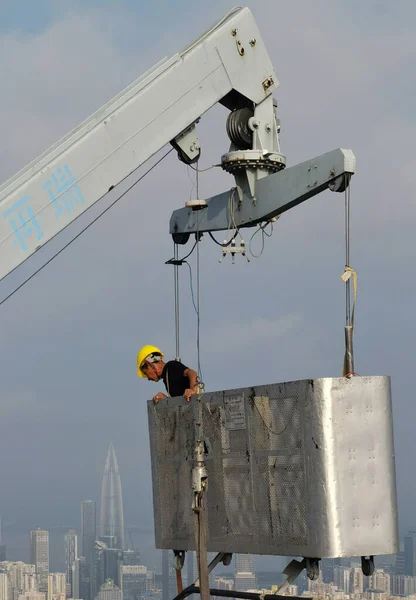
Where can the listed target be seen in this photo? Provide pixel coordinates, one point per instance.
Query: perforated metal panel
(292, 469)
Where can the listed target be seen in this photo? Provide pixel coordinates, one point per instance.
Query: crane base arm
(275, 194)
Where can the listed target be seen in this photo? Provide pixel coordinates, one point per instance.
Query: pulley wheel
(238, 130)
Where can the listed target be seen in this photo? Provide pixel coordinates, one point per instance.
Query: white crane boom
(228, 64)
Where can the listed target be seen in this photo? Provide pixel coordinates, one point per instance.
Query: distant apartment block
(39, 556)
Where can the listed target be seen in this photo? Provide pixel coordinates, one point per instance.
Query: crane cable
(84, 229)
(198, 322)
(176, 295)
(348, 366)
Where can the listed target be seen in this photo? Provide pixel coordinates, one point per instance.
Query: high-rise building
(3, 554)
(22, 578)
(342, 576)
(109, 591)
(88, 535)
(151, 580)
(168, 576)
(111, 516)
(133, 582)
(245, 577)
(356, 581)
(107, 565)
(403, 585)
(223, 583)
(88, 529)
(410, 554)
(165, 575)
(81, 582)
(71, 553)
(4, 586)
(39, 556)
(190, 571)
(131, 557)
(380, 580)
(399, 563)
(56, 586)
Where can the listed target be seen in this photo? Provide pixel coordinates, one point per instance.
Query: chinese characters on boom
(65, 195)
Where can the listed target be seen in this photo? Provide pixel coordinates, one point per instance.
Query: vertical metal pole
(198, 323)
(347, 250)
(202, 555)
(349, 327)
(199, 486)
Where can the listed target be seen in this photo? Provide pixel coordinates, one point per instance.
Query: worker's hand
(159, 396)
(189, 392)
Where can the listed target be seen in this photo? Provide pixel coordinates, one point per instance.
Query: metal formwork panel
(304, 468)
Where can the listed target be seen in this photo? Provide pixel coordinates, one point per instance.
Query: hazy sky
(70, 336)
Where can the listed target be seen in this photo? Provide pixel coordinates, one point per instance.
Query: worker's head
(150, 363)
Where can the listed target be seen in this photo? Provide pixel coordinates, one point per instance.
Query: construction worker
(179, 380)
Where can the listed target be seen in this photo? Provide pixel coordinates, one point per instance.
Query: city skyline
(117, 570)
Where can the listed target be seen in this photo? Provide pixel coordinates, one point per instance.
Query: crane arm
(228, 64)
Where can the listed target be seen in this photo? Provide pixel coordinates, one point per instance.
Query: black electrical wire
(83, 230)
(225, 244)
(178, 261)
(183, 259)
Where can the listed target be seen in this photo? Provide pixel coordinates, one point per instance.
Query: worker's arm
(193, 380)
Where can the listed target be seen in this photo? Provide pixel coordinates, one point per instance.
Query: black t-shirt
(174, 379)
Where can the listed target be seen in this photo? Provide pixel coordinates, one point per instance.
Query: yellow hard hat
(144, 353)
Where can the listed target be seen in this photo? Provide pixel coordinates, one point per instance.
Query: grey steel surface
(304, 468)
(275, 194)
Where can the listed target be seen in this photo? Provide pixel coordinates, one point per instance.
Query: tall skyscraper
(88, 535)
(81, 582)
(245, 577)
(111, 517)
(39, 556)
(400, 563)
(410, 553)
(71, 553)
(169, 576)
(107, 565)
(88, 529)
(3, 554)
